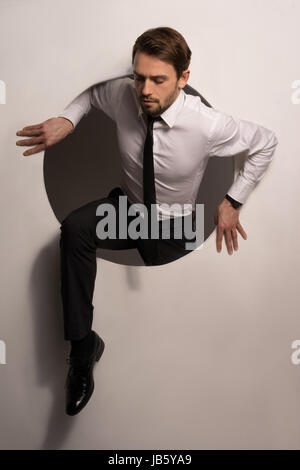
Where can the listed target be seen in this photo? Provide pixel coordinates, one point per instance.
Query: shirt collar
(170, 114)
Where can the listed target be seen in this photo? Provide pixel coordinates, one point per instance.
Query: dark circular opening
(77, 171)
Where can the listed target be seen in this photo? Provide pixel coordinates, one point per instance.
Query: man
(178, 146)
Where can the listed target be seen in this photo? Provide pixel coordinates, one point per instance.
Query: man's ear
(184, 78)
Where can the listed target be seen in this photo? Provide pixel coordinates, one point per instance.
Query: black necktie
(150, 245)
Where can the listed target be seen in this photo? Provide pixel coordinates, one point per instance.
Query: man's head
(160, 60)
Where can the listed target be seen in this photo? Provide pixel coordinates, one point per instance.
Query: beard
(158, 109)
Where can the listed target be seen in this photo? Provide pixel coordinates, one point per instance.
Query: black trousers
(78, 244)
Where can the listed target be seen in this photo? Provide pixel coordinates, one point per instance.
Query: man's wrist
(70, 123)
(235, 204)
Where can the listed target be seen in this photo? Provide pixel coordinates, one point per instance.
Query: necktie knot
(151, 120)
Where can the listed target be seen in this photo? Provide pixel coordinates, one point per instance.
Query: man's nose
(146, 89)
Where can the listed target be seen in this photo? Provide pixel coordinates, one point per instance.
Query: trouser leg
(78, 245)
(171, 248)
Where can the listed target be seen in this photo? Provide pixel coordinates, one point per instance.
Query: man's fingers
(230, 236)
(34, 126)
(241, 230)
(219, 238)
(26, 131)
(234, 239)
(36, 149)
(35, 140)
(228, 241)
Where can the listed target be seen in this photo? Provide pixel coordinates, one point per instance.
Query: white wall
(203, 364)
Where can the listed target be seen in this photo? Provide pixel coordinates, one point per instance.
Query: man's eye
(141, 79)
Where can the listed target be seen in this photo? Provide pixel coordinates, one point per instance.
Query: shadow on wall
(86, 165)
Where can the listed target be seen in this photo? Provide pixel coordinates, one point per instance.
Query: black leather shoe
(80, 381)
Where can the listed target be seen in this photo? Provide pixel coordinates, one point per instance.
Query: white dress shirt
(189, 134)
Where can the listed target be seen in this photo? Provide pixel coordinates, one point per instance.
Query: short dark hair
(166, 44)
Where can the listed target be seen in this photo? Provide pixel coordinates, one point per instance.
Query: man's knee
(83, 220)
(74, 223)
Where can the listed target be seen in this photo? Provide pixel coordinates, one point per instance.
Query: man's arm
(230, 137)
(104, 96)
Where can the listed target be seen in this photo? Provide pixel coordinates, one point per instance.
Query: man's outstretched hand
(45, 134)
(227, 219)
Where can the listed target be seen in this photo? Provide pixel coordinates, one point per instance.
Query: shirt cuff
(241, 189)
(73, 113)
